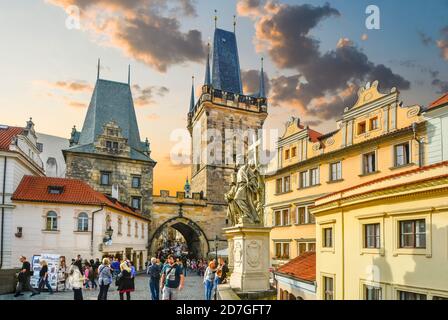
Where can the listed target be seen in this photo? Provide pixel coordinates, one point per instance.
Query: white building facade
(67, 217)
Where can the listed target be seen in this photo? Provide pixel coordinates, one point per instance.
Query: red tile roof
(443, 100)
(6, 135)
(302, 268)
(75, 191)
(314, 135)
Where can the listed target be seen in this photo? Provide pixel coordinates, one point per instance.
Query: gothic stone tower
(219, 121)
(108, 153)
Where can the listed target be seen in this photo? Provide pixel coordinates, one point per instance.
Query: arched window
(52, 220)
(136, 230)
(83, 222)
(120, 225)
(129, 228)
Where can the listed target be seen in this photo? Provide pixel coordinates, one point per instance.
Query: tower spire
(262, 93)
(216, 18)
(98, 70)
(234, 23)
(129, 74)
(207, 81)
(192, 96)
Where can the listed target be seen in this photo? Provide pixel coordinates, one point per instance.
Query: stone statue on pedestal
(246, 196)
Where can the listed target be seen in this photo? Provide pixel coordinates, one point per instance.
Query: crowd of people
(166, 278)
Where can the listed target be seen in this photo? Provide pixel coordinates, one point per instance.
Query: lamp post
(109, 232)
(216, 257)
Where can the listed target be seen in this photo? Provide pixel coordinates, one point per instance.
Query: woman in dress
(125, 282)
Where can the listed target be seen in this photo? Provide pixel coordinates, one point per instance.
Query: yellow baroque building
(376, 137)
(385, 239)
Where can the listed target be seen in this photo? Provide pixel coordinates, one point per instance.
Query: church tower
(108, 153)
(222, 119)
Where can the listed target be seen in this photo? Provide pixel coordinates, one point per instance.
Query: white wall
(52, 148)
(437, 129)
(67, 240)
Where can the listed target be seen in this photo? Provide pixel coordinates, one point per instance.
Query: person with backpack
(89, 276)
(154, 278)
(172, 279)
(104, 278)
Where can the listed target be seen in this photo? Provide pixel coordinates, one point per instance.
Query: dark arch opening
(195, 238)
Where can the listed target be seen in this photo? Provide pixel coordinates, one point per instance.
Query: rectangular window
(372, 293)
(401, 152)
(136, 202)
(278, 218)
(336, 171)
(362, 127)
(136, 182)
(285, 252)
(373, 123)
(328, 288)
(314, 177)
(286, 154)
(372, 235)
(278, 186)
(282, 250)
(406, 295)
(304, 181)
(302, 248)
(413, 234)
(312, 247)
(301, 212)
(287, 184)
(40, 146)
(285, 217)
(369, 163)
(293, 152)
(328, 238)
(311, 218)
(105, 178)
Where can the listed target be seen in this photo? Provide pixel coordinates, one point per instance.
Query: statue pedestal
(249, 256)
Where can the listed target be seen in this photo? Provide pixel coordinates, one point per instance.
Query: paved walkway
(193, 290)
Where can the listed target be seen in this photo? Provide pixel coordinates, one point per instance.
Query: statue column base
(250, 257)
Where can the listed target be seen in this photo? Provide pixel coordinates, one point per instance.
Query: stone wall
(88, 167)
(209, 218)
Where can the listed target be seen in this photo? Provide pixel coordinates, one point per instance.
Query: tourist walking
(43, 277)
(172, 279)
(24, 278)
(76, 279)
(104, 278)
(124, 281)
(154, 278)
(209, 279)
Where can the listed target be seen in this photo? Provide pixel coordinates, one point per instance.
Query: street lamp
(216, 257)
(108, 234)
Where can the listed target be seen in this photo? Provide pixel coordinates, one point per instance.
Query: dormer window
(112, 145)
(55, 189)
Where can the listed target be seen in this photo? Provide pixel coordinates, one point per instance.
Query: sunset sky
(316, 55)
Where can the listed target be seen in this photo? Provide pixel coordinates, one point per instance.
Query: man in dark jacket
(24, 278)
(154, 271)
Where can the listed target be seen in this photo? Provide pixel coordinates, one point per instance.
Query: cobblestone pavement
(193, 290)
